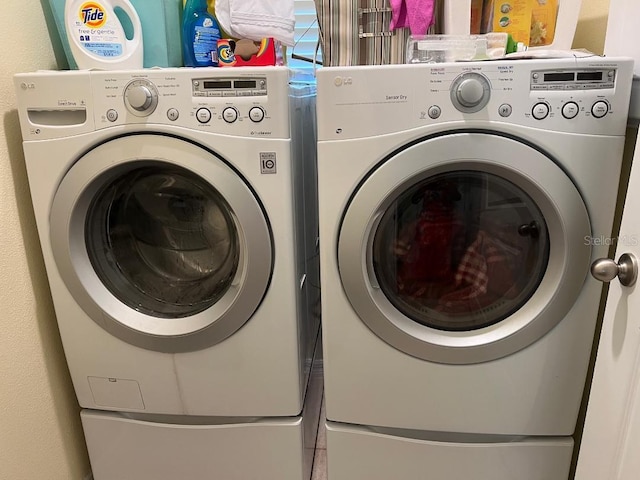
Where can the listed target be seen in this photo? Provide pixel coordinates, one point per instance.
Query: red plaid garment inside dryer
(473, 268)
(482, 277)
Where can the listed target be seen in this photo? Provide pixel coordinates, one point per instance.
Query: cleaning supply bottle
(97, 38)
(200, 35)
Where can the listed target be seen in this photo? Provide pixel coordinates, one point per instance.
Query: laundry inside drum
(461, 250)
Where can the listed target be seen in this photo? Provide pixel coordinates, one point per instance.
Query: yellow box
(543, 22)
(514, 17)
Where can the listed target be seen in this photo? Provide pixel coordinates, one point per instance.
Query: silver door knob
(605, 269)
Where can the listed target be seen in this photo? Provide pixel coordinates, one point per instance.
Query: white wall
(592, 25)
(40, 432)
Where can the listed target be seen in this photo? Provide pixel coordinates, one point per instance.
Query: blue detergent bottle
(200, 35)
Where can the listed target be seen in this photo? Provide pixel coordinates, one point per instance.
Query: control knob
(141, 97)
(470, 92)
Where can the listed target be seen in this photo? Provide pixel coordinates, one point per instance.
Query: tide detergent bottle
(97, 38)
(200, 35)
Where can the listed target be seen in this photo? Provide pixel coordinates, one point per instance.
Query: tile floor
(320, 460)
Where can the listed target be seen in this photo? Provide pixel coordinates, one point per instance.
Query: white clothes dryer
(460, 208)
(170, 205)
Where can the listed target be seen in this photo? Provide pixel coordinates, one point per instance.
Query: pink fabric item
(415, 14)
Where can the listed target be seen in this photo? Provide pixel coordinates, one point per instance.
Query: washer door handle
(605, 269)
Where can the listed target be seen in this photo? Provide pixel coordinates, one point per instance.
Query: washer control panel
(588, 95)
(250, 102)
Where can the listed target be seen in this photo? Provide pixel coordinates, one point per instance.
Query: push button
(570, 110)
(434, 112)
(173, 114)
(112, 115)
(230, 114)
(540, 111)
(203, 115)
(505, 110)
(600, 109)
(256, 114)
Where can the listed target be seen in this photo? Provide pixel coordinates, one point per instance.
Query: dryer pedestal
(364, 453)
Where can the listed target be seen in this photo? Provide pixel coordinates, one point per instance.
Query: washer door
(464, 248)
(161, 243)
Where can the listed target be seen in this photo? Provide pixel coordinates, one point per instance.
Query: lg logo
(339, 81)
(27, 86)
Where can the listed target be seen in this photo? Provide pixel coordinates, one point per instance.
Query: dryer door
(161, 243)
(464, 248)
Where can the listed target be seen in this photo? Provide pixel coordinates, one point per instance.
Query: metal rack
(356, 32)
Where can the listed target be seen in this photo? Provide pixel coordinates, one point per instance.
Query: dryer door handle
(605, 269)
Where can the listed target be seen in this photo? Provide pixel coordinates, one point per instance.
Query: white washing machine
(170, 205)
(460, 208)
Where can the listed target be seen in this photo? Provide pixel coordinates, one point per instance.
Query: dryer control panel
(588, 96)
(573, 79)
(247, 102)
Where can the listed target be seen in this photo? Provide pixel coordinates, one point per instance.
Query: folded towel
(223, 15)
(257, 19)
(415, 14)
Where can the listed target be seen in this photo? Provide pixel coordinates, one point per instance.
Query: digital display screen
(593, 76)
(245, 84)
(217, 84)
(559, 77)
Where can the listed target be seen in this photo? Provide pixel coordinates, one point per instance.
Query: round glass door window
(461, 250)
(163, 241)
